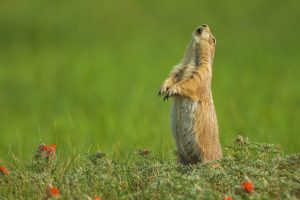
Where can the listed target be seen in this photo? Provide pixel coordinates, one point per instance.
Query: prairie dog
(193, 117)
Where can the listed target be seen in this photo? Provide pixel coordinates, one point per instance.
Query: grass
(146, 176)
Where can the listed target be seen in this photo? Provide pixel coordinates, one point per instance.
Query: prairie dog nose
(200, 29)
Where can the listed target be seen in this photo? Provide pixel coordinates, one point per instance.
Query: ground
(145, 176)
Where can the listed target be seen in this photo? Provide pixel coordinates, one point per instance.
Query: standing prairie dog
(193, 117)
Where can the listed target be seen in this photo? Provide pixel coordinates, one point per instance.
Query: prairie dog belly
(183, 128)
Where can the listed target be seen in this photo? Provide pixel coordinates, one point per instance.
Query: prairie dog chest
(183, 125)
(183, 111)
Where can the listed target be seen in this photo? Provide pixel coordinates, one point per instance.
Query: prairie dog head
(202, 35)
(201, 48)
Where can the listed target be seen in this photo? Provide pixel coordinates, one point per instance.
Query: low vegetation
(248, 170)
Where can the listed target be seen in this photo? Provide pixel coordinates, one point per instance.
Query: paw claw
(162, 91)
(171, 92)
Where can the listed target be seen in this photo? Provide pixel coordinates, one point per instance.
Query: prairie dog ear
(214, 39)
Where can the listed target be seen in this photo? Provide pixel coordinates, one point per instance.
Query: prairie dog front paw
(173, 90)
(166, 86)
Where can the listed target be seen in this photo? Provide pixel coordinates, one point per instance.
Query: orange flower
(3, 170)
(97, 197)
(45, 147)
(52, 148)
(248, 186)
(228, 198)
(146, 151)
(143, 152)
(52, 191)
(47, 152)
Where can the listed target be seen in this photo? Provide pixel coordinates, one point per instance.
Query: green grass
(146, 176)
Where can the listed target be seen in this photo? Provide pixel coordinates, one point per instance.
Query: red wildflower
(248, 186)
(45, 147)
(143, 152)
(97, 197)
(47, 152)
(52, 148)
(51, 151)
(52, 191)
(3, 170)
(228, 198)
(146, 151)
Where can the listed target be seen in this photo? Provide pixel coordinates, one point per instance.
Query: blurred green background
(85, 74)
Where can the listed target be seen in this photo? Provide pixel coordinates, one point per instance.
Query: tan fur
(193, 117)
